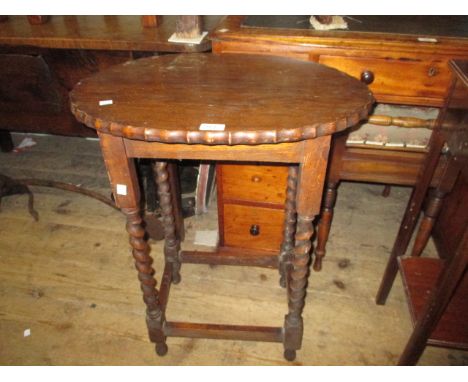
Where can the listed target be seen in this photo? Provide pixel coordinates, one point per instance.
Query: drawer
(239, 221)
(393, 77)
(265, 184)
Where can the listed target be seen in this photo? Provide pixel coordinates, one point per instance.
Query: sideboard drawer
(403, 77)
(264, 184)
(252, 227)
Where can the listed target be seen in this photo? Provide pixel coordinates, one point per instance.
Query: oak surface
(258, 99)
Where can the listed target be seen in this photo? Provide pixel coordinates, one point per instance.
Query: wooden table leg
(287, 245)
(172, 244)
(297, 283)
(310, 182)
(143, 261)
(325, 224)
(124, 181)
(410, 218)
(334, 172)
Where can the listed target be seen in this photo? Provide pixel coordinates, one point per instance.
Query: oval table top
(220, 99)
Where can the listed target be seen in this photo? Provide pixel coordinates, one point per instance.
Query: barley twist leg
(287, 245)
(297, 283)
(171, 244)
(143, 264)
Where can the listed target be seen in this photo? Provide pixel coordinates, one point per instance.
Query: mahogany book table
(230, 108)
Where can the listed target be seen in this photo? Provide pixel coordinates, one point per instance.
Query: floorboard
(70, 279)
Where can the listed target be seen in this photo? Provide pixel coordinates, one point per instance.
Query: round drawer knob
(367, 77)
(432, 71)
(254, 229)
(256, 178)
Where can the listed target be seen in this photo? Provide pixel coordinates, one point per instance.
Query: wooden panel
(238, 220)
(34, 87)
(403, 25)
(100, 32)
(266, 48)
(384, 166)
(255, 183)
(419, 276)
(229, 332)
(229, 33)
(285, 152)
(409, 78)
(27, 85)
(232, 256)
(452, 220)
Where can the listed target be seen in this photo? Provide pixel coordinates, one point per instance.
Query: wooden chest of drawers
(250, 205)
(424, 78)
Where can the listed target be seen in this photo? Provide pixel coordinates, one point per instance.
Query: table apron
(275, 153)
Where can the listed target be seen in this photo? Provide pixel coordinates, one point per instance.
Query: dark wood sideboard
(40, 64)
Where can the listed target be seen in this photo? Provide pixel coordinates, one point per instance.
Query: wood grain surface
(258, 99)
(70, 278)
(100, 32)
(419, 277)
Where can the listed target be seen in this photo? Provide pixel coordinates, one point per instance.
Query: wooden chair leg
(325, 224)
(172, 244)
(434, 205)
(287, 245)
(410, 218)
(399, 248)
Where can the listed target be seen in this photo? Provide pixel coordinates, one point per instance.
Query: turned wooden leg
(143, 263)
(325, 224)
(310, 182)
(124, 181)
(297, 283)
(287, 245)
(434, 205)
(411, 215)
(172, 244)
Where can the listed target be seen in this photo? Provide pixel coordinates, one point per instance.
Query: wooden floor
(70, 279)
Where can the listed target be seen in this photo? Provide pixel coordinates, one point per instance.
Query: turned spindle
(171, 244)
(296, 287)
(143, 264)
(287, 245)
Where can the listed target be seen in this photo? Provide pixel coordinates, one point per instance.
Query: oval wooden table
(223, 108)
